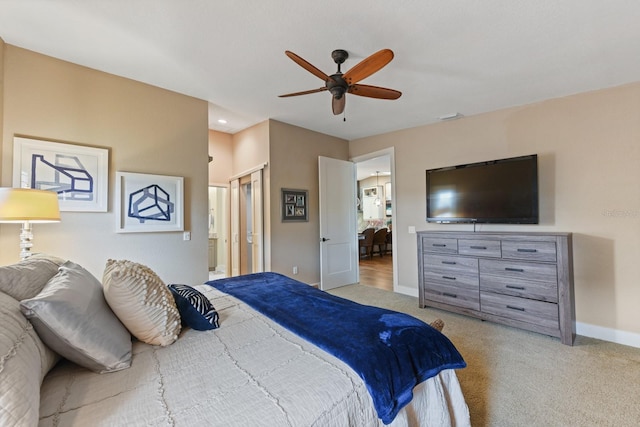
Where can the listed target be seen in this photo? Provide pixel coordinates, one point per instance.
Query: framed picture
(149, 203)
(294, 205)
(79, 174)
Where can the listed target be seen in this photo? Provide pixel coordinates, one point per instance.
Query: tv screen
(501, 191)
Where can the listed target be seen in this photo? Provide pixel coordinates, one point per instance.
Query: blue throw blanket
(392, 352)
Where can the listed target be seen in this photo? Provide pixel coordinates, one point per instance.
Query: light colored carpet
(520, 378)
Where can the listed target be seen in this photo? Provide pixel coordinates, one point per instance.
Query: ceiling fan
(340, 84)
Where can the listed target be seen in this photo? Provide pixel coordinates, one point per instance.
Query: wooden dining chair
(380, 240)
(365, 243)
(389, 242)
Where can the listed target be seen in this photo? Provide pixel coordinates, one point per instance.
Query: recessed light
(222, 121)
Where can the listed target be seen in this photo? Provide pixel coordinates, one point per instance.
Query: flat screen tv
(503, 191)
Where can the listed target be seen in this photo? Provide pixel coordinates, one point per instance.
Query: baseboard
(412, 292)
(607, 334)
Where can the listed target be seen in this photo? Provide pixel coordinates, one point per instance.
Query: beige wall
(294, 164)
(291, 157)
(221, 149)
(250, 148)
(146, 129)
(589, 151)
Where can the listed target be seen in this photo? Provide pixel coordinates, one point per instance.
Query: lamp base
(26, 240)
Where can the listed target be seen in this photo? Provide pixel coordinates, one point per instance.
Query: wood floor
(377, 272)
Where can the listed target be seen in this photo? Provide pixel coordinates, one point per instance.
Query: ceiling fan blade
(368, 66)
(337, 104)
(305, 92)
(307, 66)
(374, 92)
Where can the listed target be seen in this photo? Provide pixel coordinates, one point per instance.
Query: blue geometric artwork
(66, 175)
(150, 203)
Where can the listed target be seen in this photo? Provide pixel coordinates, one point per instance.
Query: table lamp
(27, 206)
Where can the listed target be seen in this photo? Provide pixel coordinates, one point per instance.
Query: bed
(250, 371)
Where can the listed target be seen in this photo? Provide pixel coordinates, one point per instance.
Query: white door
(256, 222)
(235, 227)
(256, 238)
(338, 232)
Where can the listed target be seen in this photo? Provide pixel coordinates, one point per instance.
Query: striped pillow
(195, 309)
(141, 301)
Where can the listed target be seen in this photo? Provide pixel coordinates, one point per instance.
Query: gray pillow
(26, 278)
(24, 361)
(72, 317)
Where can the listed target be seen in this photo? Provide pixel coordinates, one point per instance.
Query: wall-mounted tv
(503, 191)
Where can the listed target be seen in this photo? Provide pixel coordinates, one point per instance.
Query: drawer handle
(439, 245)
(446, 294)
(448, 277)
(479, 247)
(519, 270)
(449, 262)
(520, 288)
(527, 250)
(515, 308)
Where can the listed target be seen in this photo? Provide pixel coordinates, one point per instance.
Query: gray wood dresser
(524, 280)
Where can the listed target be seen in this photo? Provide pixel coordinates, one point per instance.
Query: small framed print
(295, 205)
(149, 203)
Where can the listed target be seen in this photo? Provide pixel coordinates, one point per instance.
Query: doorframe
(391, 153)
(227, 235)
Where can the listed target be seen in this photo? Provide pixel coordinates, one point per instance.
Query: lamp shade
(26, 204)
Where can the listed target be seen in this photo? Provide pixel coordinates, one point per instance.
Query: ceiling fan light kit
(339, 84)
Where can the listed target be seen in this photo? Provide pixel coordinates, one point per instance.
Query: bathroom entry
(218, 231)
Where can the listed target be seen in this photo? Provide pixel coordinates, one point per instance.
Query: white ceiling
(453, 56)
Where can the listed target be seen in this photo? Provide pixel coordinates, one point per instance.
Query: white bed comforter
(249, 372)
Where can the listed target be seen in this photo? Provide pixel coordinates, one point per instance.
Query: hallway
(377, 272)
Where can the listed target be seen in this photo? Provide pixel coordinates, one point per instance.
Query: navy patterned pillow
(195, 309)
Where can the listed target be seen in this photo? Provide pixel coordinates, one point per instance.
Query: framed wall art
(295, 205)
(79, 174)
(149, 203)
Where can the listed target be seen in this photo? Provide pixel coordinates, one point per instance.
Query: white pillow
(72, 317)
(142, 301)
(24, 361)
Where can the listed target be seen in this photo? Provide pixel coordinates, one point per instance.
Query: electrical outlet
(295, 269)
(186, 235)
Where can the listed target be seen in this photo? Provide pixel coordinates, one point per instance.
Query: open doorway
(218, 232)
(375, 212)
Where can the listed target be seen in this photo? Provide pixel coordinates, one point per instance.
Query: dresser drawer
(529, 251)
(449, 264)
(519, 270)
(442, 245)
(543, 291)
(526, 310)
(452, 278)
(486, 248)
(459, 296)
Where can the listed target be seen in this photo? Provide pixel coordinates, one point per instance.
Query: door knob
(324, 239)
